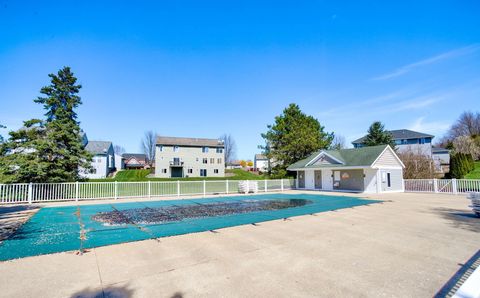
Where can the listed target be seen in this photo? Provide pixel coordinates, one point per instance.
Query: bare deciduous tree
(417, 165)
(338, 142)
(118, 149)
(148, 146)
(466, 145)
(230, 147)
(468, 124)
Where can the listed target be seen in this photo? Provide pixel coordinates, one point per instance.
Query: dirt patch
(13, 217)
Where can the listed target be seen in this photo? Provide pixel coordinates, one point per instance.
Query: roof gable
(98, 147)
(324, 158)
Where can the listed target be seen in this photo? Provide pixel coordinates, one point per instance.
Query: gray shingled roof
(354, 157)
(260, 157)
(192, 142)
(400, 134)
(136, 155)
(98, 147)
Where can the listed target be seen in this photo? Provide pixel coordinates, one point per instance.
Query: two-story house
(103, 161)
(406, 140)
(189, 157)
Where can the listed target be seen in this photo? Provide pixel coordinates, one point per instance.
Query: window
(219, 150)
(204, 149)
(190, 171)
(175, 148)
(215, 171)
(160, 148)
(219, 160)
(205, 160)
(164, 171)
(203, 172)
(212, 160)
(389, 182)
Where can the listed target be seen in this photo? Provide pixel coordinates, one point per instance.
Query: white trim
(332, 168)
(324, 153)
(394, 154)
(387, 168)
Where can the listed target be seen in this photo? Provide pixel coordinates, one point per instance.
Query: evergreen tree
(377, 135)
(294, 136)
(1, 137)
(50, 150)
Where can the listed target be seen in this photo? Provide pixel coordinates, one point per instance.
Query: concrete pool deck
(410, 245)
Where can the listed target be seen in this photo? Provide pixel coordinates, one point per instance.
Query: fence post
(116, 190)
(77, 191)
(30, 187)
(454, 186)
(266, 185)
(281, 184)
(226, 186)
(149, 189)
(435, 185)
(178, 188)
(204, 187)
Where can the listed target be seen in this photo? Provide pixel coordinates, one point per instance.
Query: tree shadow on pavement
(108, 292)
(460, 219)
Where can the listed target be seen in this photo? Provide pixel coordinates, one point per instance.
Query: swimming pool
(58, 229)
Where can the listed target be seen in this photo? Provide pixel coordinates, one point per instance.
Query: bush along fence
(451, 186)
(77, 191)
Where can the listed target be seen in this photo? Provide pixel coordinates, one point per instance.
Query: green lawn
(141, 175)
(475, 174)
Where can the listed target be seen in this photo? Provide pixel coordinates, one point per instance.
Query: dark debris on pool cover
(177, 213)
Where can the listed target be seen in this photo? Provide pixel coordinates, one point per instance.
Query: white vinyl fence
(452, 186)
(77, 191)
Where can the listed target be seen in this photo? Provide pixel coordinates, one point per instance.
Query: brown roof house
(135, 161)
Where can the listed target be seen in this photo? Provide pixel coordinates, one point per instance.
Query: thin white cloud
(433, 127)
(444, 56)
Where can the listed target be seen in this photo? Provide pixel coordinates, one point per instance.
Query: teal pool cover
(58, 229)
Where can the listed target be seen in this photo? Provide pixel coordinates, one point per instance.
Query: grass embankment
(475, 174)
(141, 175)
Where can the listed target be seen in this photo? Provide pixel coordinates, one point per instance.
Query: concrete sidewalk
(410, 245)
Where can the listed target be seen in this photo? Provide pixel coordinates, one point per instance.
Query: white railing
(452, 186)
(78, 191)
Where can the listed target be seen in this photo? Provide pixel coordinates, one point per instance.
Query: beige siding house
(189, 157)
(373, 169)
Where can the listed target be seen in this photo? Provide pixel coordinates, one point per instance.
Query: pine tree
(377, 135)
(294, 136)
(50, 150)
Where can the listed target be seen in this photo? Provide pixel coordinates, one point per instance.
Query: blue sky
(204, 68)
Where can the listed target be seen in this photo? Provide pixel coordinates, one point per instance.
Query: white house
(373, 169)
(260, 163)
(103, 161)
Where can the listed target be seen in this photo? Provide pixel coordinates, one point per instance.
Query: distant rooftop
(135, 155)
(260, 157)
(191, 142)
(400, 134)
(98, 147)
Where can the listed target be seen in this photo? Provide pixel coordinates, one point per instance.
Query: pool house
(375, 169)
